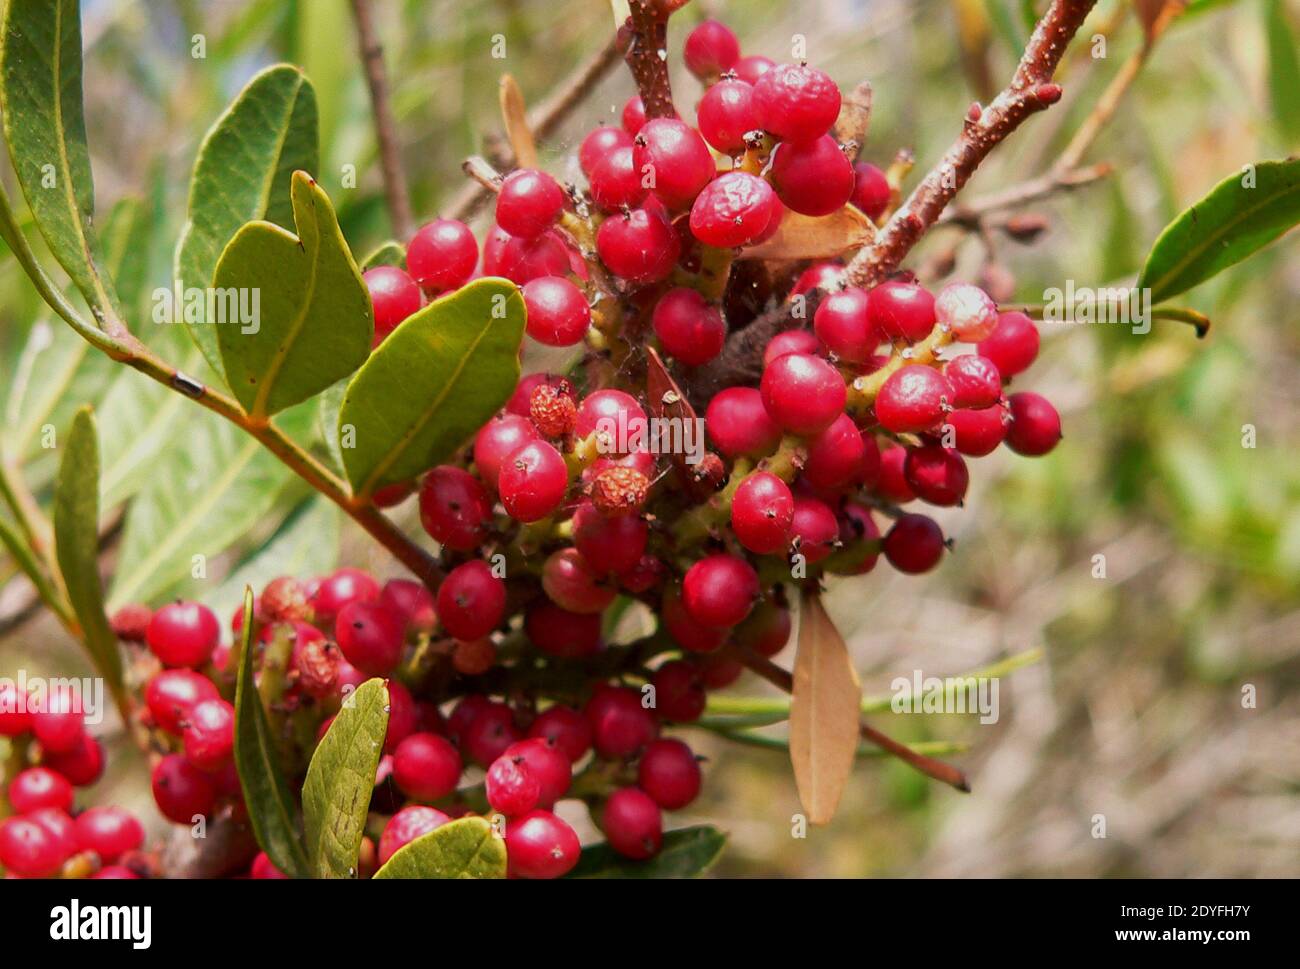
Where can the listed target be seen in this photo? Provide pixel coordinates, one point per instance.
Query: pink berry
(892, 483)
(209, 734)
(762, 512)
(184, 634)
(598, 144)
(489, 734)
(471, 601)
(673, 161)
(511, 787)
(540, 845)
(529, 203)
(633, 825)
(979, 432)
(679, 692)
(182, 791)
(411, 602)
(263, 869)
(547, 763)
(835, 456)
(558, 632)
(405, 826)
(937, 474)
(913, 399)
(691, 635)
(15, 717)
(454, 508)
(790, 341)
(610, 410)
(826, 276)
(901, 311)
(620, 725)
(40, 787)
(426, 767)
(767, 630)
(914, 544)
(719, 590)
(1013, 344)
(521, 259)
(532, 481)
(558, 314)
(640, 246)
(797, 103)
(394, 296)
(975, 381)
(843, 326)
(733, 210)
(371, 637)
(565, 729)
(802, 393)
(813, 178)
(571, 583)
(814, 529)
(615, 180)
(61, 724)
(633, 115)
(966, 310)
(495, 441)
(738, 424)
(609, 544)
(110, 832)
(726, 114)
(442, 255)
(82, 765)
(1035, 425)
(30, 849)
(710, 49)
(871, 191)
(669, 774)
(688, 327)
(753, 66)
(341, 587)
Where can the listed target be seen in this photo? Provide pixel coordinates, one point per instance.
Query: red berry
(411, 602)
(733, 210)
(565, 729)
(797, 103)
(263, 869)
(826, 276)
(979, 432)
(610, 411)
(181, 790)
(184, 634)
(546, 762)
(726, 114)
(405, 826)
(426, 766)
(710, 49)
(620, 725)
(718, 672)
(491, 731)
(442, 255)
(753, 66)
(553, 411)
(609, 544)
(465, 713)
(689, 634)
(673, 160)
(1035, 425)
(15, 717)
(719, 590)
(82, 765)
(558, 632)
(496, 440)
(738, 424)
(869, 470)
(371, 637)
(843, 326)
(901, 311)
(615, 181)
(913, 399)
(209, 734)
(975, 381)
(520, 259)
(892, 484)
(835, 456)
(815, 528)
(471, 600)
(632, 823)
(669, 774)
(871, 191)
(1013, 344)
(967, 311)
(30, 849)
(454, 508)
(511, 787)
(130, 624)
(61, 724)
(598, 144)
(529, 203)
(394, 296)
(813, 178)
(790, 341)
(802, 393)
(633, 116)
(403, 715)
(571, 583)
(340, 588)
(679, 692)
(558, 314)
(937, 474)
(640, 246)
(40, 787)
(115, 872)
(914, 544)
(762, 512)
(767, 629)
(540, 845)
(110, 832)
(532, 481)
(688, 327)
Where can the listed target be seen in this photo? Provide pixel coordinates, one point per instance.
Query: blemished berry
(611, 410)
(15, 717)
(914, 544)
(550, 765)
(571, 583)
(209, 734)
(815, 528)
(802, 393)
(767, 630)
(411, 602)
(109, 832)
(40, 787)
(454, 507)
(797, 103)
(30, 849)
(558, 632)
(181, 790)
(496, 440)
(426, 766)
(489, 733)
(1035, 426)
(913, 399)
(558, 314)
(405, 826)
(285, 599)
(733, 210)
(738, 424)
(673, 160)
(442, 255)
(967, 310)
(60, 724)
(532, 481)
(564, 728)
(529, 203)
(618, 490)
(719, 590)
(1013, 344)
(814, 178)
(553, 411)
(620, 725)
(521, 259)
(669, 774)
(857, 526)
(753, 66)
(710, 49)
(901, 311)
(520, 402)
(937, 474)
(633, 116)
(471, 600)
(394, 296)
(843, 326)
(689, 634)
(609, 544)
(338, 589)
(979, 432)
(263, 869)
(511, 787)
(82, 765)
(130, 624)
(679, 692)
(835, 456)
(540, 845)
(975, 381)
(314, 661)
(726, 114)
(871, 191)
(615, 181)
(826, 276)
(639, 246)
(600, 141)
(632, 824)
(184, 634)
(790, 341)
(371, 637)
(762, 512)
(688, 327)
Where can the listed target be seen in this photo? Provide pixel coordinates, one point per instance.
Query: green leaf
(336, 794)
(687, 853)
(468, 848)
(389, 254)
(76, 544)
(1283, 70)
(456, 362)
(1241, 215)
(270, 804)
(45, 128)
(26, 560)
(314, 325)
(243, 173)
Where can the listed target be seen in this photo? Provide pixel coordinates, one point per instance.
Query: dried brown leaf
(823, 237)
(855, 118)
(514, 113)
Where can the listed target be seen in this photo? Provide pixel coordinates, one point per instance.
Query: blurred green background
(1136, 712)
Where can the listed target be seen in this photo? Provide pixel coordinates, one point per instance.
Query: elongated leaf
(457, 362)
(686, 853)
(266, 792)
(1283, 70)
(243, 172)
(45, 128)
(823, 237)
(76, 543)
(468, 848)
(1241, 215)
(336, 794)
(28, 563)
(313, 325)
(823, 712)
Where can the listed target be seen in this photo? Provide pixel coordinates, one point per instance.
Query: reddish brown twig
(390, 159)
(644, 40)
